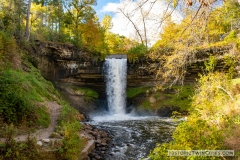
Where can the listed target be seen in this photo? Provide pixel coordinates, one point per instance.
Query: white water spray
(116, 72)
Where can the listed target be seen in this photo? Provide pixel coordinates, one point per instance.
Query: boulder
(166, 111)
(39, 143)
(46, 140)
(152, 100)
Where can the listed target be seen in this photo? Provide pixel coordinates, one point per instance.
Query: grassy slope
(179, 96)
(21, 97)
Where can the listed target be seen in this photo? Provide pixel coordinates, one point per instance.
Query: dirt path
(54, 109)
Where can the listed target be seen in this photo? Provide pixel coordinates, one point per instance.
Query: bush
(212, 123)
(18, 150)
(8, 47)
(72, 144)
(70, 127)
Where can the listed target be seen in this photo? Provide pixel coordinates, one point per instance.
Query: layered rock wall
(65, 63)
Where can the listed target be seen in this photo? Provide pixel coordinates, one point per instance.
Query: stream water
(133, 137)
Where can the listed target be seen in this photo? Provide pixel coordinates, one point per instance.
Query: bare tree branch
(134, 25)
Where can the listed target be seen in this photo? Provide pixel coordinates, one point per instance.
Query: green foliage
(132, 92)
(230, 62)
(136, 52)
(212, 95)
(231, 37)
(70, 127)
(210, 65)
(68, 114)
(72, 144)
(139, 50)
(18, 150)
(195, 134)
(213, 121)
(8, 47)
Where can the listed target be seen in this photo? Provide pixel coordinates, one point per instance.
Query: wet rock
(104, 144)
(92, 154)
(98, 141)
(101, 140)
(152, 100)
(104, 148)
(97, 157)
(88, 149)
(55, 135)
(46, 140)
(116, 150)
(39, 143)
(104, 135)
(166, 111)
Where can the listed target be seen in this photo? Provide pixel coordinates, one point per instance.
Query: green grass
(132, 92)
(180, 96)
(43, 118)
(86, 92)
(20, 92)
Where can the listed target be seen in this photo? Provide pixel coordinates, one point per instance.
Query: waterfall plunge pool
(133, 137)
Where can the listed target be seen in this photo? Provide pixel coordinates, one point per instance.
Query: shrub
(72, 144)
(212, 124)
(18, 150)
(70, 127)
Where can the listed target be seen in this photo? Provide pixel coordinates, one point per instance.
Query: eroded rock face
(65, 63)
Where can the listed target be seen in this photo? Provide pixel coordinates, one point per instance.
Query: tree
(147, 17)
(78, 13)
(107, 22)
(175, 50)
(27, 20)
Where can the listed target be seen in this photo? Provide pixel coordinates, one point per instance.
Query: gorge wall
(67, 64)
(69, 67)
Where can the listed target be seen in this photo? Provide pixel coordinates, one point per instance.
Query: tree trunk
(27, 20)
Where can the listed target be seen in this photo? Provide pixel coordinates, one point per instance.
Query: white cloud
(111, 7)
(122, 26)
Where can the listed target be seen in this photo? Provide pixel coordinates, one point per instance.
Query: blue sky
(101, 4)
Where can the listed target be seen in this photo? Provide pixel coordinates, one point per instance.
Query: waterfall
(115, 77)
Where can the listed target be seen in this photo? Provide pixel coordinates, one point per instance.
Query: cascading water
(115, 77)
(133, 136)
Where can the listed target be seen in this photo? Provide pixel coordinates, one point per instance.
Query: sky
(121, 24)
(100, 4)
